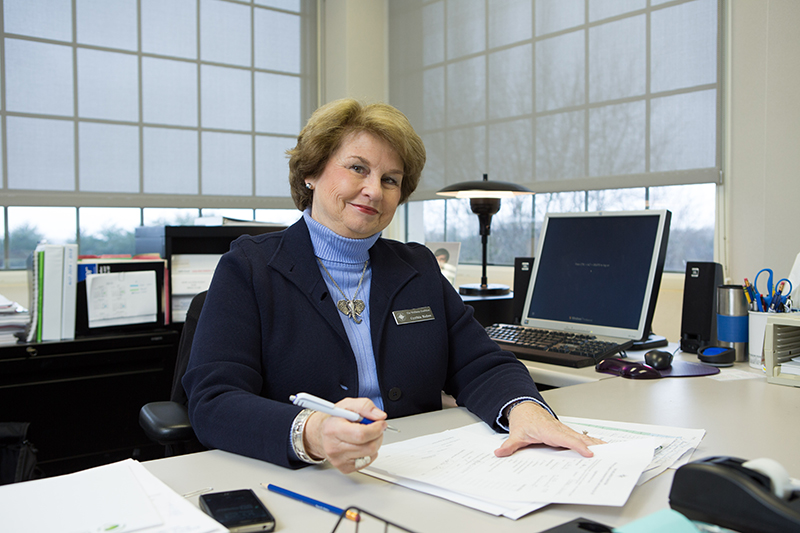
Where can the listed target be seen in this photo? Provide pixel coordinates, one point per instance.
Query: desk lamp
(484, 200)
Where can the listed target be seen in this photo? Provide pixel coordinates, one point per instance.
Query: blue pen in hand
(309, 401)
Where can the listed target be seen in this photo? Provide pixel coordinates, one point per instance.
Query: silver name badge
(409, 316)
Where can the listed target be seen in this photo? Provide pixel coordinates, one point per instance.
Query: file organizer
(781, 343)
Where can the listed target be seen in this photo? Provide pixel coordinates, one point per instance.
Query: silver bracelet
(298, 426)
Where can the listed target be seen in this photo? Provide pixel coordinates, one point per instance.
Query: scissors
(773, 296)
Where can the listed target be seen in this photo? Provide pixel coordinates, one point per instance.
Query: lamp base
(475, 289)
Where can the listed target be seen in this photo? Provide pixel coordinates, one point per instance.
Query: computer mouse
(641, 371)
(658, 359)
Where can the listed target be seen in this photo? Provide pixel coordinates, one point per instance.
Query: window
(115, 108)
(593, 105)
(516, 227)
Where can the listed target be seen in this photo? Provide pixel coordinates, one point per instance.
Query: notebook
(596, 274)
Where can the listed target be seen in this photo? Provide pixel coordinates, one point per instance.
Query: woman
(318, 308)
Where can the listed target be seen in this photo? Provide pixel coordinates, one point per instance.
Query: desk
(743, 418)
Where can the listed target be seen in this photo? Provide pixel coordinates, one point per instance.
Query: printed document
(462, 461)
(191, 275)
(121, 298)
(675, 445)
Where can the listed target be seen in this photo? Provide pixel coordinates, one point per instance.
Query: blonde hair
(332, 123)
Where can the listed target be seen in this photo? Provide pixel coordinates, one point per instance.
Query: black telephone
(747, 496)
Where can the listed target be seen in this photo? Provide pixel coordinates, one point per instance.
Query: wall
(762, 185)
(355, 52)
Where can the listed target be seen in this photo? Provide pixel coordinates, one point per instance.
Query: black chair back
(168, 423)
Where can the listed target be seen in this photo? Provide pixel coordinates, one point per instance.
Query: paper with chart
(675, 445)
(121, 298)
(463, 461)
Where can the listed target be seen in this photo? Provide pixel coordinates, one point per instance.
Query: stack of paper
(460, 465)
(791, 367)
(121, 496)
(13, 320)
(675, 445)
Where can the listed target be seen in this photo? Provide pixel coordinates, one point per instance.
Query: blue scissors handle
(783, 294)
(767, 295)
(769, 281)
(772, 296)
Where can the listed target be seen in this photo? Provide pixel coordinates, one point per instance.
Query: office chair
(167, 423)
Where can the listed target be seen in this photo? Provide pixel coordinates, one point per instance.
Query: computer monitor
(598, 273)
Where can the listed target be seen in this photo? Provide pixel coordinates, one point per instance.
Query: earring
(309, 186)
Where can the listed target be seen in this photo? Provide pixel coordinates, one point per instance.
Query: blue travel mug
(732, 327)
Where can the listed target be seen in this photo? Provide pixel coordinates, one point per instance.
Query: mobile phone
(238, 510)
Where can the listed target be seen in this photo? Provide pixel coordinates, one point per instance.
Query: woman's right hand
(342, 442)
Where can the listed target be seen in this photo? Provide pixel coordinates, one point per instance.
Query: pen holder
(732, 320)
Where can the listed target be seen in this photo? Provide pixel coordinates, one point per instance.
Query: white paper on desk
(87, 501)
(513, 510)
(462, 460)
(675, 445)
(178, 514)
(121, 298)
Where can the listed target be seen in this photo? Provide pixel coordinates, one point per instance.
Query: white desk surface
(745, 418)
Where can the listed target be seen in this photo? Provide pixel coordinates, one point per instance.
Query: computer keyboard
(556, 347)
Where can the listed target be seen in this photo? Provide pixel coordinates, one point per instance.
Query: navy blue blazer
(269, 329)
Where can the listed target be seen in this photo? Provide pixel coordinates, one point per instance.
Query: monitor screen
(598, 272)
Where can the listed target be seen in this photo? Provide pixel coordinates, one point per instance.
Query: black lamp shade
(483, 189)
(485, 199)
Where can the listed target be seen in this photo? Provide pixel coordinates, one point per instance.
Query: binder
(51, 265)
(69, 295)
(35, 284)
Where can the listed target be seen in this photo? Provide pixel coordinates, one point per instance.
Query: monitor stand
(652, 341)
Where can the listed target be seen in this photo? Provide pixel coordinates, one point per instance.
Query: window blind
(560, 95)
(186, 103)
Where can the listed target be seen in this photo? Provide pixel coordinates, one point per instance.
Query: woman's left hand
(530, 423)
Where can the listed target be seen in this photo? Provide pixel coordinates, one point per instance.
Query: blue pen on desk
(309, 401)
(350, 515)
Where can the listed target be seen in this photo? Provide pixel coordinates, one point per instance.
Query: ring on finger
(363, 462)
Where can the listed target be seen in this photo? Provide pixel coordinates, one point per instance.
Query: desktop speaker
(523, 266)
(699, 318)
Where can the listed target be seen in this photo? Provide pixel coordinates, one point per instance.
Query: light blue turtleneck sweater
(344, 259)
